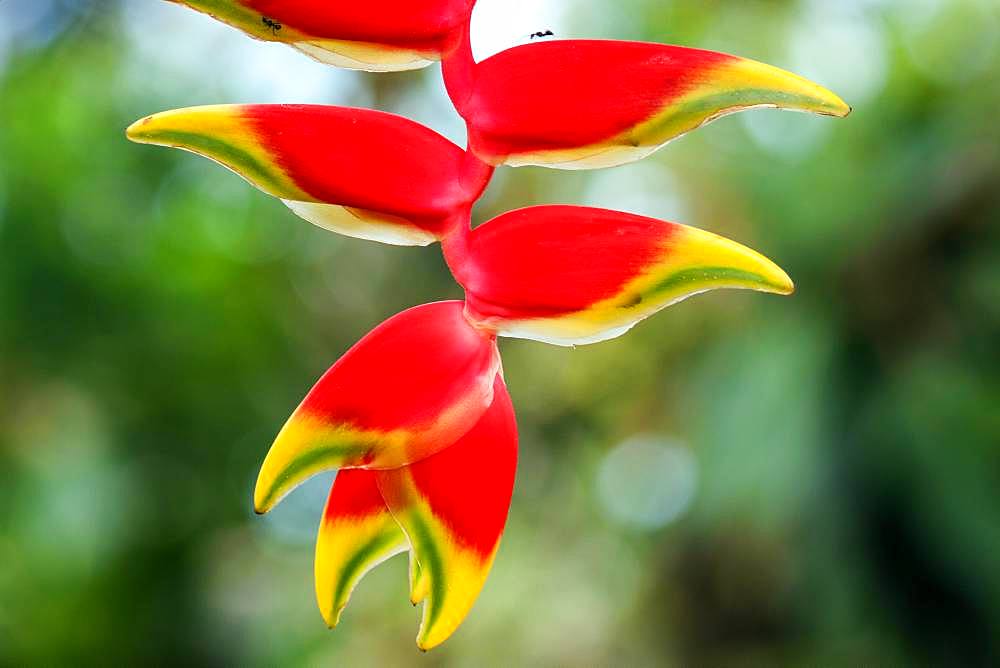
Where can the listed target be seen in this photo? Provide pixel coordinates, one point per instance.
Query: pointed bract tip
(788, 286)
(717, 262)
(332, 617)
(261, 504)
(181, 127)
(767, 85)
(292, 459)
(149, 129)
(274, 481)
(836, 105)
(429, 638)
(134, 132)
(418, 594)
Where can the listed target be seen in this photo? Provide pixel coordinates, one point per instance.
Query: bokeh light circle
(647, 482)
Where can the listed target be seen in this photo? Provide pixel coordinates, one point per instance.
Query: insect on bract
(273, 25)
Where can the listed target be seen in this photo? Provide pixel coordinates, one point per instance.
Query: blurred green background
(741, 480)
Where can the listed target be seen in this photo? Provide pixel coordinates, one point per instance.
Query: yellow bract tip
(717, 262)
(135, 131)
(170, 128)
(766, 85)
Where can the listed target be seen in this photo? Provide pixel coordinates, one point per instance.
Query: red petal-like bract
(572, 275)
(449, 510)
(410, 388)
(453, 508)
(357, 533)
(362, 173)
(377, 35)
(578, 104)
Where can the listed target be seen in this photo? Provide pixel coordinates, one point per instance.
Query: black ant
(273, 25)
(547, 33)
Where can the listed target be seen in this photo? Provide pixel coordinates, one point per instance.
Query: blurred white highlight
(647, 482)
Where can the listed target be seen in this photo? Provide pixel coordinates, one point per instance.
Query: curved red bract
(371, 160)
(468, 486)
(569, 93)
(409, 389)
(406, 372)
(549, 260)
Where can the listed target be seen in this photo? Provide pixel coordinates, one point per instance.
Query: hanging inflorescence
(416, 415)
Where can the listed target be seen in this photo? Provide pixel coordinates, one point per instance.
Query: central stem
(455, 247)
(459, 70)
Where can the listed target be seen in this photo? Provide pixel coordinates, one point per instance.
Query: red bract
(571, 275)
(448, 508)
(577, 104)
(453, 508)
(416, 415)
(378, 36)
(410, 388)
(361, 173)
(356, 534)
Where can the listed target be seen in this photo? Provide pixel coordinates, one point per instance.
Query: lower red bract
(406, 372)
(549, 260)
(354, 494)
(469, 485)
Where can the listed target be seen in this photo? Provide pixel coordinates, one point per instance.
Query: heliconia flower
(413, 386)
(451, 507)
(377, 36)
(572, 275)
(579, 104)
(362, 173)
(416, 417)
